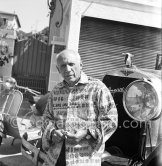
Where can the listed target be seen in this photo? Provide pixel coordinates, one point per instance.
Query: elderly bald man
(79, 118)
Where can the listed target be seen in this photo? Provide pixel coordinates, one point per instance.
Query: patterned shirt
(88, 105)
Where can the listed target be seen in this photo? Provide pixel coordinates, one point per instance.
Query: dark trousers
(62, 159)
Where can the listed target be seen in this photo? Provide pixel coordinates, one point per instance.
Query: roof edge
(12, 14)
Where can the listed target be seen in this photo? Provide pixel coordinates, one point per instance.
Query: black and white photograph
(80, 83)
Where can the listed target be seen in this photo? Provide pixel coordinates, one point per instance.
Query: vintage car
(137, 94)
(137, 140)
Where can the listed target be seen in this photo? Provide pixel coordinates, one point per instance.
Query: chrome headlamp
(10, 83)
(141, 100)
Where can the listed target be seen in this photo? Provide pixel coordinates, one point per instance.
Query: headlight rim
(124, 100)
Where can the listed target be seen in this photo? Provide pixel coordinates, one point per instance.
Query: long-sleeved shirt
(88, 105)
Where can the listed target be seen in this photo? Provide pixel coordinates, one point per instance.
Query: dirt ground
(10, 155)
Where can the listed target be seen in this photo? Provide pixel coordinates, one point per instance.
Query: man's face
(69, 66)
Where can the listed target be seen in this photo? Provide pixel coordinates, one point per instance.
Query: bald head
(68, 52)
(69, 66)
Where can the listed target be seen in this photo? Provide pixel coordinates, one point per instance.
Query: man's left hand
(76, 137)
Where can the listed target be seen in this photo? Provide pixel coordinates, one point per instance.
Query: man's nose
(68, 68)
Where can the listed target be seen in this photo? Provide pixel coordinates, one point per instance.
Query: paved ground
(10, 155)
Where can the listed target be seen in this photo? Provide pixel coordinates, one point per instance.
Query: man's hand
(76, 137)
(57, 135)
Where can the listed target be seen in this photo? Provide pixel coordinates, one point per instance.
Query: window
(3, 22)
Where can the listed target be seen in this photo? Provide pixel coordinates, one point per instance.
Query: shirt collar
(83, 80)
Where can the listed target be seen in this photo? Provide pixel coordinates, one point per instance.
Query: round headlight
(140, 100)
(10, 83)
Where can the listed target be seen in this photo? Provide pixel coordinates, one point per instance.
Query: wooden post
(74, 25)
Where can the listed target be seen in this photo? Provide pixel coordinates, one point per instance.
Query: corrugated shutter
(102, 42)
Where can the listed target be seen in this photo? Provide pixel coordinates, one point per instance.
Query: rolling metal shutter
(102, 42)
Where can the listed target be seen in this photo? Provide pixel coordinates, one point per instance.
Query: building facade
(102, 30)
(9, 24)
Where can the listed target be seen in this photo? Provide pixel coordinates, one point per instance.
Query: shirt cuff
(91, 133)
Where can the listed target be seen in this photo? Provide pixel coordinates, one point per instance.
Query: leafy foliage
(42, 35)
